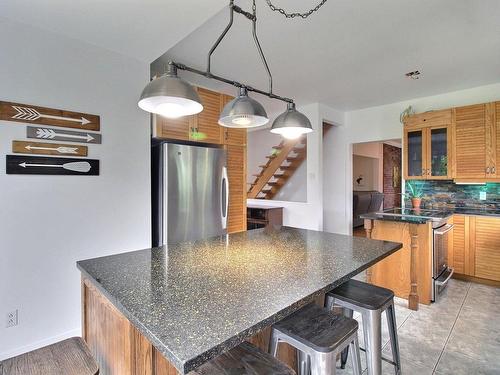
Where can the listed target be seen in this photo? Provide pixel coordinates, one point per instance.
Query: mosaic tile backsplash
(440, 194)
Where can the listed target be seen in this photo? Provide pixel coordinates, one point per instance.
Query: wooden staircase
(281, 164)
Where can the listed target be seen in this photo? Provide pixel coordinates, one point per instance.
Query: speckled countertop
(403, 219)
(443, 213)
(196, 300)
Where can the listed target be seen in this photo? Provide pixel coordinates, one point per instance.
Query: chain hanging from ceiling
(295, 14)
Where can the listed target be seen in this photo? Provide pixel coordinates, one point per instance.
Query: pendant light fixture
(243, 112)
(171, 96)
(291, 124)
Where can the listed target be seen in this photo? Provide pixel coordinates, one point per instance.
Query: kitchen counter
(444, 213)
(400, 219)
(195, 300)
(475, 211)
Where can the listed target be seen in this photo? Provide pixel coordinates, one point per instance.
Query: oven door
(441, 274)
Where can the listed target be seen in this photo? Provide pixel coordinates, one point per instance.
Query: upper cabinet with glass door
(427, 146)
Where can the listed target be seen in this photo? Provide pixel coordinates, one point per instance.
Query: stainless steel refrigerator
(190, 192)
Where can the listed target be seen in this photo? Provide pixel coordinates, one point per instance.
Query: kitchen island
(168, 310)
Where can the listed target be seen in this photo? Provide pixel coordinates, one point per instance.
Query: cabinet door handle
(487, 170)
(493, 169)
(429, 172)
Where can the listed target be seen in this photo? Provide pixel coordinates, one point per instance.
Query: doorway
(376, 177)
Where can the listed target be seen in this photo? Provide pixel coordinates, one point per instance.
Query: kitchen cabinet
(458, 254)
(202, 127)
(427, 145)
(470, 142)
(206, 128)
(236, 171)
(485, 236)
(173, 128)
(476, 247)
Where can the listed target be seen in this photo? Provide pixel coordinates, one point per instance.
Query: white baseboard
(39, 344)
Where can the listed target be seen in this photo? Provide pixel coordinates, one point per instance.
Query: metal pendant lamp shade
(243, 112)
(291, 124)
(170, 96)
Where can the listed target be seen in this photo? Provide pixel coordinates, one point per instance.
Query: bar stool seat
(367, 296)
(369, 300)
(245, 359)
(69, 356)
(318, 335)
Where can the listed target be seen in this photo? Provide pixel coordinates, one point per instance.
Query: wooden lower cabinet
(476, 247)
(117, 346)
(120, 349)
(486, 239)
(394, 272)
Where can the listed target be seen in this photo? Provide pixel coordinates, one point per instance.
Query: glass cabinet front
(415, 153)
(439, 152)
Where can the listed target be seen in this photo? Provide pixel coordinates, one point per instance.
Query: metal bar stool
(370, 301)
(69, 356)
(245, 359)
(318, 335)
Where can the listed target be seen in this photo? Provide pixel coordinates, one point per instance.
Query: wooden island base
(408, 271)
(120, 349)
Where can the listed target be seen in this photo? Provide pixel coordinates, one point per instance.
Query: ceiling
(351, 54)
(354, 53)
(142, 29)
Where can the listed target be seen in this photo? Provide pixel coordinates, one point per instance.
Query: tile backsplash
(439, 194)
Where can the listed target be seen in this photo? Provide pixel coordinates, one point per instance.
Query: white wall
(375, 151)
(47, 223)
(377, 124)
(365, 169)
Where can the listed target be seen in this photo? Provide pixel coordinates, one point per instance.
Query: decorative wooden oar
(77, 166)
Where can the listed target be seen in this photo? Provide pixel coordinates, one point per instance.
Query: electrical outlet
(482, 195)
(12, 318)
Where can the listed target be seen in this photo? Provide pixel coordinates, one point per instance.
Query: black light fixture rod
(221, 36)
(229, 81)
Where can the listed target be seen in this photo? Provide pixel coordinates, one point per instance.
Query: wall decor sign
(42, 148)
(48, 116)
(62, 135)
(21, 164)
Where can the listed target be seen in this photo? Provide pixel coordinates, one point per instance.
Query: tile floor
(458, 335)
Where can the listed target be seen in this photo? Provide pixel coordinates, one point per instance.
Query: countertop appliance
(190, 192)
(441, 231)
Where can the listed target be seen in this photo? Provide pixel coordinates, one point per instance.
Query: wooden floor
(359, 232)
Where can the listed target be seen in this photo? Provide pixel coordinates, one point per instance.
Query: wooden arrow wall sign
(33, 114)
(62, 135)
(42, 148)
(20, 164)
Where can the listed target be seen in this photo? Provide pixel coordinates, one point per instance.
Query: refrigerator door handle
(224, 197)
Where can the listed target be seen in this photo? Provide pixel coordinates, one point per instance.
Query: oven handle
(446, 229)
(447, 279)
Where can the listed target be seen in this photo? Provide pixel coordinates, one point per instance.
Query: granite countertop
(402, 219)
(475, 211)
(443, 213)
(196, 300)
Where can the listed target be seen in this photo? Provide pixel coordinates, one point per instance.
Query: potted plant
(415, 193)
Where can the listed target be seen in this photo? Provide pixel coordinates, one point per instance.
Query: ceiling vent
(413, 75)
